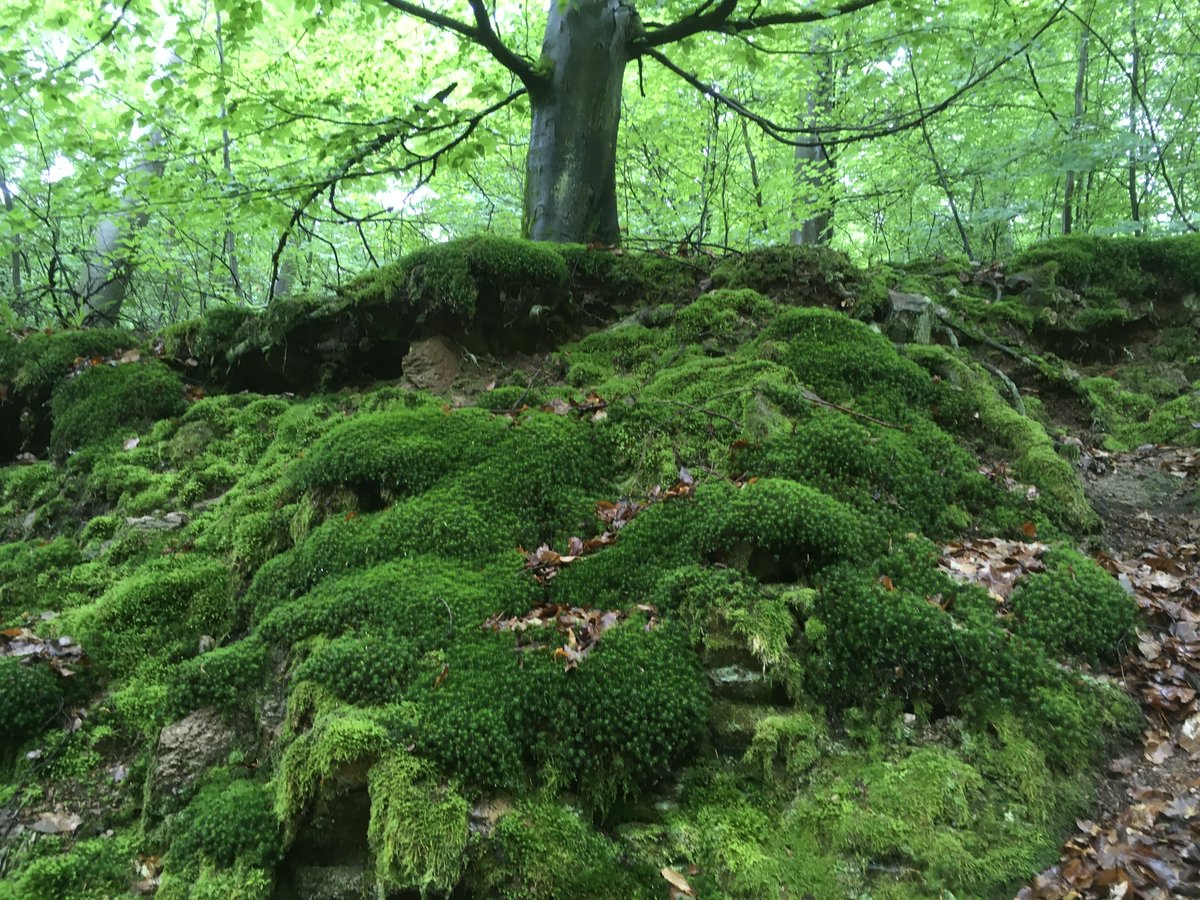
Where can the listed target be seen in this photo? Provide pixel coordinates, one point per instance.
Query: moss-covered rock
(104, 401)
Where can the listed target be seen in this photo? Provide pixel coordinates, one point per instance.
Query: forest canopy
(161, 158)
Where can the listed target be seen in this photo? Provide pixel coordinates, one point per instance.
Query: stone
(432, 364)
(184, 750)
(910, 318)
(740, 683)
(347, 882)
(169, 522)
(486, 813)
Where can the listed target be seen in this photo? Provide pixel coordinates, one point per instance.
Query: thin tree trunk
(229, 242)
(571, 172)
(1135, 212)
(755, 182)
(109, 268)
(15, 258)
(1068, 211)
(937, 165)
(813, 164)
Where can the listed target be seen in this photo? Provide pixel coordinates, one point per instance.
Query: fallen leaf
(678, 882)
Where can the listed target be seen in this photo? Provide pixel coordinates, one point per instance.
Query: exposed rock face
(910, 319)
(185, 749)
(432, 364)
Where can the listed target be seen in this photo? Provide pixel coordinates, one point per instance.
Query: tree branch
(842, 134)
(718, 20)
(481, 33)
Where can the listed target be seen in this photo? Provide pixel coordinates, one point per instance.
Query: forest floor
(1143, 841)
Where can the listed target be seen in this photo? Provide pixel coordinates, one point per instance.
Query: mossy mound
(734, 657)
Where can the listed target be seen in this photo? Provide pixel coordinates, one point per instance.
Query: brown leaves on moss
(579, 629)
(545, 563)
(60, 653)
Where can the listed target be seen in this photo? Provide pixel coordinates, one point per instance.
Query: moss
(340, 737)
(742, 847)
(450, 277)
(228, 822)
(387, 455)
(793, 740)
(845, 361)
(33, 575)
(967, 397)
(800, 274)
(34, 364)
(95, 869)
(239, 883)
(226, 677)
(105, 400)
(30, 699)
(1075, 607)
(418, 826)
(1176, 423)
(160, 611)
(544, 849)
(725, 316)
(912, 480)
(205, 340)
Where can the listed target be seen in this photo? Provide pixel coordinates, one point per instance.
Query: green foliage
(227, 823)
(360, 669)
(106, 400)
(1075, 607)
(418, 826)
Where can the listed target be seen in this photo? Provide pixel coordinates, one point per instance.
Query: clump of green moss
(94, 869)
(450, 277)
(845, 361)
(1075, 607)
(159, 611)
(106, 400)
(801, 274)
(226, 677)
(30, 699)
(228, 823)
(968, 400)
(34, 364)
(418, 826)
(727, 317)
(545, 849)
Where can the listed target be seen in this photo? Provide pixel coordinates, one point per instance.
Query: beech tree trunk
(571, 169)
(814, 166)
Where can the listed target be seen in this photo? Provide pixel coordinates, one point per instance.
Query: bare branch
(481, 33)
(718, 20)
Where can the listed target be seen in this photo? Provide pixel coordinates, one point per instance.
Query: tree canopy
(242, 149)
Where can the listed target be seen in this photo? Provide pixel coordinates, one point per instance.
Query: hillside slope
(553, 572)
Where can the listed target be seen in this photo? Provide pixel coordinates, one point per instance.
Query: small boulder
(909, 319)
(185, 749)
(432, 364)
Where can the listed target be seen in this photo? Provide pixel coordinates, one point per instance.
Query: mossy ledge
(296, 681)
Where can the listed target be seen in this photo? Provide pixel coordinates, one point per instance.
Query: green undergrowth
(778, 691)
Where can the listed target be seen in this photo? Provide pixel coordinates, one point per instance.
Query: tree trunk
(813, 165)
(109, 268)
(1068, 213)
(1135, 211)
(571, 170)
(15, 258)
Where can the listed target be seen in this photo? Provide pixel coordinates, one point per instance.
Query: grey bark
(15, 258)
(109, 269)
(229, 242)
(1135, 212)
(570, 175)
(1068, 213)
(813, 164)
